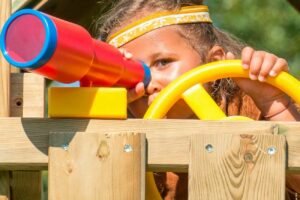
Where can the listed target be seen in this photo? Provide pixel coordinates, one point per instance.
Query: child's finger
(230, 56)
(267, 65)
(128, 55)
(122, 50)
(136, 93)
(255, 64)
(280, 65)
(125, 53)
(246, 55)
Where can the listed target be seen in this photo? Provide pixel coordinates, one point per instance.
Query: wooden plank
(237, 167)
(27, 95)
(26, 100)
(5, 10)
(40, 4)
(4, 186)
(24, 141)
(26, 185)
(17, 4)
(96, 166)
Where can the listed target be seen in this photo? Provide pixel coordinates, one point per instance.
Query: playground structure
(107, 159)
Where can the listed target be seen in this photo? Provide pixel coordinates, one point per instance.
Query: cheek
(174, 72)
(164, 77)
(180, 68)
(192, 63)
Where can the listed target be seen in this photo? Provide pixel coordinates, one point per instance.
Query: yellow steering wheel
(189, 88)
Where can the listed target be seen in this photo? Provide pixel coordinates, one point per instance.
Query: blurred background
(273, 26)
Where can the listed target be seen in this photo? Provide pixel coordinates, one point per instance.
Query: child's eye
(161, 63)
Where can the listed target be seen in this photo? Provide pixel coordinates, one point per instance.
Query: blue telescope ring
(48, 48)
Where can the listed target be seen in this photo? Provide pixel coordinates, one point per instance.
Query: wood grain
(5, 10)
(26, 100)
(237, 167)
(96, 166)
(24, 141)
(26, 185)
(28, 95)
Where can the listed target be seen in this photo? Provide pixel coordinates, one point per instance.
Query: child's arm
(273, 103)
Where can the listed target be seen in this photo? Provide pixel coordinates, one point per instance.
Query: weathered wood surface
(17, 4)
(4, 185)
(5, 10)
(96, 166)
(27, 98)
(24, 141)
(237, 167)
(26, 185)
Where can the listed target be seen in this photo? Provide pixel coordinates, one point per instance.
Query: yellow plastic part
(212, 71)
(202, 104)
(237, 118)
(91, 102)
(151, 189)
(205, 73)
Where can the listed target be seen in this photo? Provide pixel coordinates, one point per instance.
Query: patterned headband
(185, 15)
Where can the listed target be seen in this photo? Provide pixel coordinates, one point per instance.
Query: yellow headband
(185, 15)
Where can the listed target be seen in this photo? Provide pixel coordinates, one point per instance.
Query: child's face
(169, 55)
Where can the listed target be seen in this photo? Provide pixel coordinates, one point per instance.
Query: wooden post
(237, 167)
(96, 166)
(5, 10)
(26, 100)
(18, 185)
(26, 185)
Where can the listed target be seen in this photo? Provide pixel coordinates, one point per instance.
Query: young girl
(172, 37)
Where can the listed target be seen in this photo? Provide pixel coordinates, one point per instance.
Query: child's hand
(139, 90)
(136, 93)
(262, 64)
(270, 100)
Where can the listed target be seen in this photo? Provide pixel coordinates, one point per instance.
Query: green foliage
(273, 26)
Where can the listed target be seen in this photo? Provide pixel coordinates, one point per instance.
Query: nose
(154, 85)
(152, 88)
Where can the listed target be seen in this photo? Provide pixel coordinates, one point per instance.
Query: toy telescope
(65, 52)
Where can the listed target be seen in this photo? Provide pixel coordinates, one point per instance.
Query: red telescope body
(65, 52)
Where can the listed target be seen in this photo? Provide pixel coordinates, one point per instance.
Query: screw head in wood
(209, 148)
(127, 148)
(271, 150)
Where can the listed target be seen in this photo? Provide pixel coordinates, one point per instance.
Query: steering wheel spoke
(202, 103)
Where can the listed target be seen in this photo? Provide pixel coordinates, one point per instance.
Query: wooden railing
(107, 159)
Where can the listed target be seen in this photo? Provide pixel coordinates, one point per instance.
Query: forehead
(168, 38)
(164, 33)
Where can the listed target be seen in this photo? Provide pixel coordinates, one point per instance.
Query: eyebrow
(159, 54)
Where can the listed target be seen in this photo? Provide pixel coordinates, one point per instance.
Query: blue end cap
(147, 76)
(49, 44)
